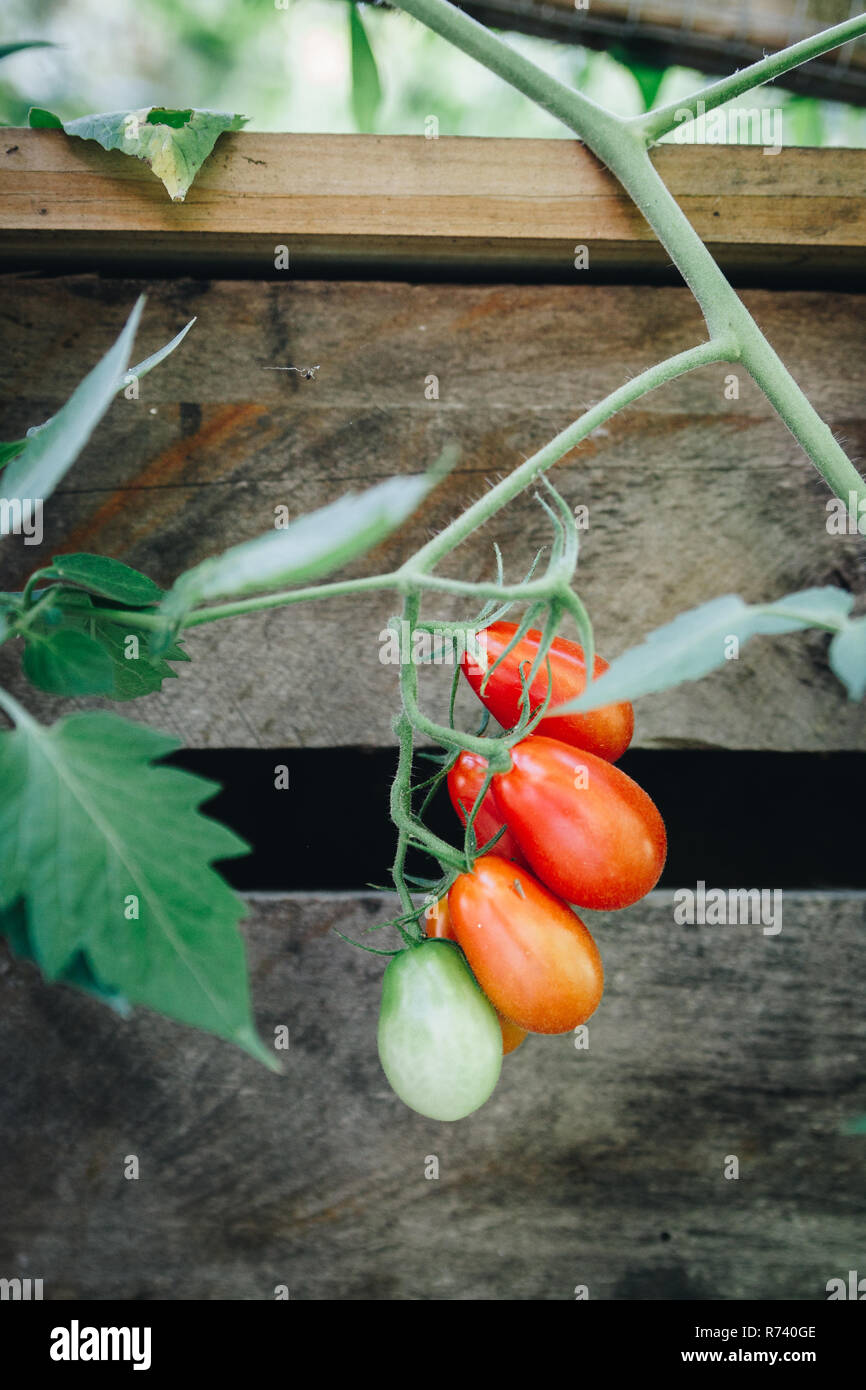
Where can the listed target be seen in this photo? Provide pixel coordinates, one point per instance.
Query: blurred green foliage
(326, 65)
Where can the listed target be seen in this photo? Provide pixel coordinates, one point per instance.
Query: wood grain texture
(699, 34)
(690, 495)
(395, 203)
(601, 1167)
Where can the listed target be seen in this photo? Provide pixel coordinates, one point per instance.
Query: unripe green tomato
(440, 1044)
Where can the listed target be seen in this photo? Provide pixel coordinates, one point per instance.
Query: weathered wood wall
(602, 1167)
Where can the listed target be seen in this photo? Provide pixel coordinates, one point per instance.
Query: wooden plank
(601, 1167)
(391, 204)
(690, 494)
(698, 34)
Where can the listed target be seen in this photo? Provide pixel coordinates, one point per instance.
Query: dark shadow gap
(734, 819)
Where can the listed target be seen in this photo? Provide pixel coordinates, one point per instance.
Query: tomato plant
(532, 956)
(606, 732)
(590, 833)
(439, 1041)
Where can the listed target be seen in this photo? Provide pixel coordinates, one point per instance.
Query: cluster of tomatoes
(506, 954)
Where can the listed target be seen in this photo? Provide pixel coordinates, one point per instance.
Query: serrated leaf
(79, 974)
(366, 87)
(695, 643)
(174, 143)
(848, 658)
(109, 578)
(89, 828)
(135, 671)
(66, 663)
(308, 548)
(52, 447)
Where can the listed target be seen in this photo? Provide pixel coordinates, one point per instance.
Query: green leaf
(54, 446)
(7, 49)
(13, 925)
(366, 87)
(134, 670)
(11, 451)
(649, 79)
(66, 663)
(174, 143)
(91, 832)
(51, 448)
(309, 548)
(695, 643)
(148, 363)
(109, 578)
(40, 119)
(848, 658)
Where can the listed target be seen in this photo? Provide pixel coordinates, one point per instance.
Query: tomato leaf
(67, 663)
(109, 578)
(174, 143)
(366, 87)
(848, 658)
(132, 668)
(308, 548)
(13, 925)
(696, 643)
(51, 448)
(114, 859)
(11, 450)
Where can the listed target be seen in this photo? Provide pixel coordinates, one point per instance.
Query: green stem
(401, 809)
(554, 450)
(401, 791)
(27, 595)
(255, 605)
(621, 145)
(656, 123)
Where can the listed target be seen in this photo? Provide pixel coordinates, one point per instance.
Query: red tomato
(590, 833)
(606, 732)
(438, 923)
(464, 784)
(532, 956)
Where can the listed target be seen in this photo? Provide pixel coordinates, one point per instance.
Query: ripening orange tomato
(529, 952)
(438, 924)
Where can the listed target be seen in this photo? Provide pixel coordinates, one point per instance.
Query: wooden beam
(603, 1166)
(395, 205)
(698, 34)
